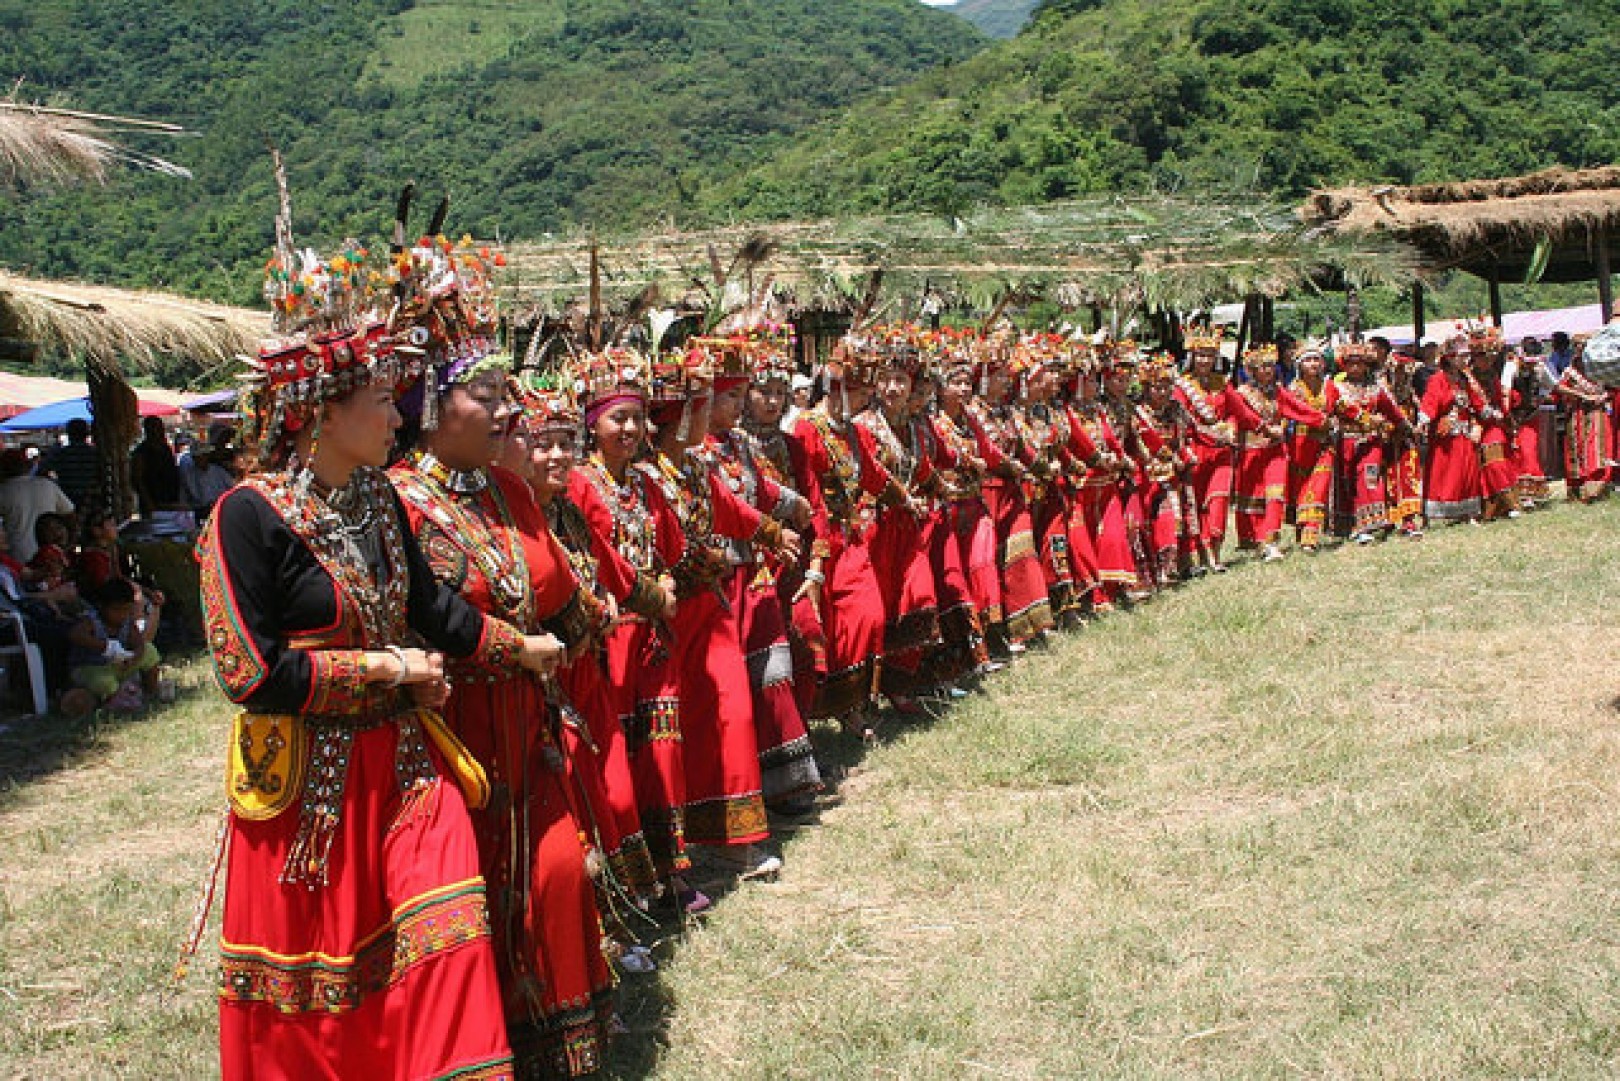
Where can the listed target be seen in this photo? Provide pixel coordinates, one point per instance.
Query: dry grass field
(1350, 816)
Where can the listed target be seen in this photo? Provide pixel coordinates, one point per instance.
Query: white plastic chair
(30, 654)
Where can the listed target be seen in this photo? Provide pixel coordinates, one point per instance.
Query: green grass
(1351, 816)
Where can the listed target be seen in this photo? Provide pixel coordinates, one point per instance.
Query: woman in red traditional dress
(789, 776)
(766, 403)
(835, 466)
(1262, 476)
(898, 546)
(1046, 435)
(1108, 471)
(355, 940)
(1499, 473)
(1529, 383)
(1452, 487)
(1404, 467)
(1586, 448)
(1118, 375)
(725, 803)
(1026, 609)
(1367, 417)
(630, 522)
(1311, 451)
(484, 536)
(973, 459)
(1167, 499)
(1218, 415)
(543, 448)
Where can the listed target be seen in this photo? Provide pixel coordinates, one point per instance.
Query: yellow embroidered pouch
(264, 771)
(464, 768)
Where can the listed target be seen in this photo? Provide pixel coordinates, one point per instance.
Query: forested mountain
(1279, 95)
(998, 18)
(534, 114)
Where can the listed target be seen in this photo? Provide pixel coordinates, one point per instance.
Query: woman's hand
(790, 545)
(541, 653)
(430, 695)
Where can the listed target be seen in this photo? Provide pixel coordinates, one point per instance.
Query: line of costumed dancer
(511, 646)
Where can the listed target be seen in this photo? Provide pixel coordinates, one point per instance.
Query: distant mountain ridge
(533, 114)
(997, 18)
(1274, 95)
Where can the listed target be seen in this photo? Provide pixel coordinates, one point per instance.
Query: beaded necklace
(474, 515)
(771, 450)
(892, 452)
(843, 463)
(635, 531)
(337, 527)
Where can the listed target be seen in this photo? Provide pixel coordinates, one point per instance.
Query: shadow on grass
(646, 1004)
(34, 747)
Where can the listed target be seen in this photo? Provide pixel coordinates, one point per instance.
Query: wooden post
(1352, 312)
(1247, 326)
(1418, 326)
(1096, 318)
(1605, 284)
(1496, 295)
(1268, 320)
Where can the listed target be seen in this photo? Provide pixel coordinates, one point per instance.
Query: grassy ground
(1350, 816)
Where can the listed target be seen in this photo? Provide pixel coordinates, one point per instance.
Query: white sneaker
(1515, 514)
(1363, 538)
(1272, 554)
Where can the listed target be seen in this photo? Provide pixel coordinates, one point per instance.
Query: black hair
(113, 591)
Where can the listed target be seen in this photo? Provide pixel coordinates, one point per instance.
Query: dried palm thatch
(1123, 253)
(114, 328)
(1479, 224)
(41, 145)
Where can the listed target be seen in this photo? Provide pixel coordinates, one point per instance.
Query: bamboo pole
(1605, 282)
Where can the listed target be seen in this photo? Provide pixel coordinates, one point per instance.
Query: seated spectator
(50, 564)
(42, 611)
(98, 559)
(24, 497)
(113, 661)
(224, 466)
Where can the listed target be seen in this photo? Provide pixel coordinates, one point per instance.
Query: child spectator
(97, 561)
(112, 646)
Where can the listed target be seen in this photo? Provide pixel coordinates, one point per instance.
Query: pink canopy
(1516, 326)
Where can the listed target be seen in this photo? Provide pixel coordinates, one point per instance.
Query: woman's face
(1159, 393)
(515, 453)
(552, 453)
(767, 402)
(1203, 362)
(1312, 366)
(619, 432)
(1355, 368)
(956, 391)
(359, 428)
(727, 409)
(1263, 374)
(1117, 382)
(859, 394)
(472, 423)
(894, 391)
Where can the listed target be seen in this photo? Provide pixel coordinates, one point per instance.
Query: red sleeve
(1080, 444)
(732, 517)
(1294, 408)
(809, 461)
(1437, 396)
(1232, 407)
(993, 458)
(874, 478)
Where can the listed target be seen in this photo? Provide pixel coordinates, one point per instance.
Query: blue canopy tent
(57, 415)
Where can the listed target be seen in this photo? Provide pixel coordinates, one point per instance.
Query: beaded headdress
(328, 338)
(1203, 340)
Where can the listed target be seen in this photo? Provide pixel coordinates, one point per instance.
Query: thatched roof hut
(41, 145)
(1128, 254)
(1545, 226)
(121, 328)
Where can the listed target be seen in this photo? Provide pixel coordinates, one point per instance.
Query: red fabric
(643, 687)
(531, 845)
(786, 765)
(1026, 609)
(1453, 487)
(1310, 465)
(388, 860)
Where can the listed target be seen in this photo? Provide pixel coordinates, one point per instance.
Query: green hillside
(1280, 95)
(998, 18)
(534, 115)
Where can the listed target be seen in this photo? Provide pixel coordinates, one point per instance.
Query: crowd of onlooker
(62, 568)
